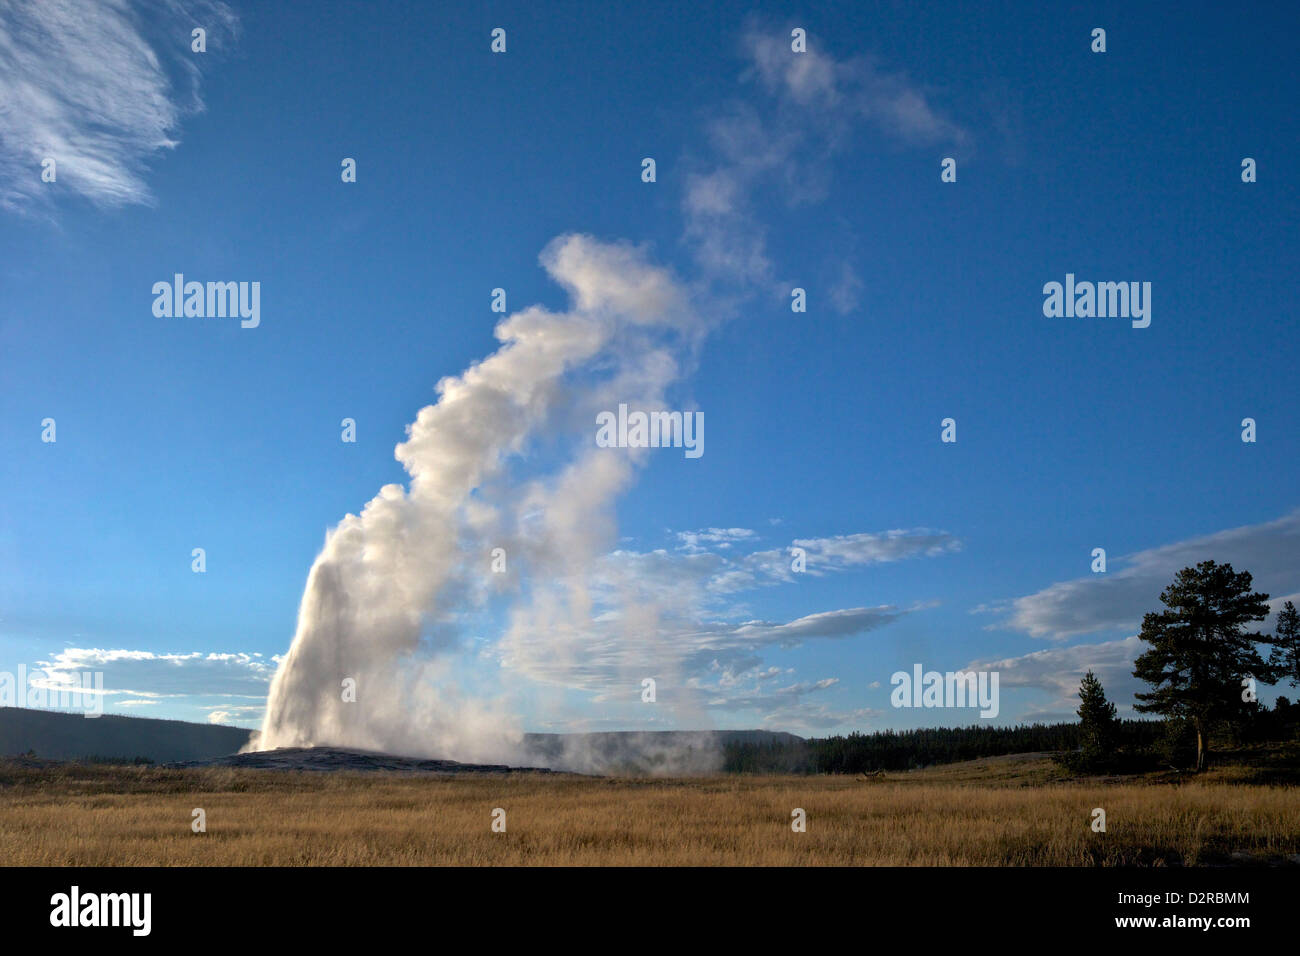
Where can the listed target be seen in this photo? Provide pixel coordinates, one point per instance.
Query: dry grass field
(1001, 811)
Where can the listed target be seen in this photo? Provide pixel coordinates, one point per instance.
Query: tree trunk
(1200, 747)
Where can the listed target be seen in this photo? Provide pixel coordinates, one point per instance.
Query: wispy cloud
(855, 88)
(1059, 670)
(672, 615)
(846, 291)
(1119, 598)
(146, 676)
(695, 541)
(100, 87)
(811, 104)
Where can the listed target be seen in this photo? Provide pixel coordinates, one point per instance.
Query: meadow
(1001, 811)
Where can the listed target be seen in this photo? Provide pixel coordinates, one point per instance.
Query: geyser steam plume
(386, 598)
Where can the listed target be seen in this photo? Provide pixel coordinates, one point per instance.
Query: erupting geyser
(381, 621)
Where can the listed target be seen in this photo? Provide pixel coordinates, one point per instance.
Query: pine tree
(1285, 659)
(1096, 723)
(1200, 649)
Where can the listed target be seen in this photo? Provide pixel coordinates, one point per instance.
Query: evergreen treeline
(908, 749)
(1138, 744)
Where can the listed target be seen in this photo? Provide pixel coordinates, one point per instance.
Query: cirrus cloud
(100, 87)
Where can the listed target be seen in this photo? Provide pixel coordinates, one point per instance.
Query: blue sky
(823, 427)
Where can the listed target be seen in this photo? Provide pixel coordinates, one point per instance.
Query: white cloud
(846, 292)
(694, 541)
(100, 86)
(1118, 599)
(148, 677)
(893, 102)
(1059, 670)
(672, 615)
(813, 104)
(849, 550)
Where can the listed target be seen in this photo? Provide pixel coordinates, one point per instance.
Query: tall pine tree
(1200, 649)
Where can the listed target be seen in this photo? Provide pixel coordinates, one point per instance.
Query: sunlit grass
(984, 813)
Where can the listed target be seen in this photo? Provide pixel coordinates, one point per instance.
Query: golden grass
(984, 813)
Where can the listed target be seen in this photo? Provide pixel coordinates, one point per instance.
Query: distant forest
(1145, 743)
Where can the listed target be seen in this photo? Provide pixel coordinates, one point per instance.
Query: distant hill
(351, 760)
(63, 736)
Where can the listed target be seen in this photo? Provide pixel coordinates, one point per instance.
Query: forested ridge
(1147, 743)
